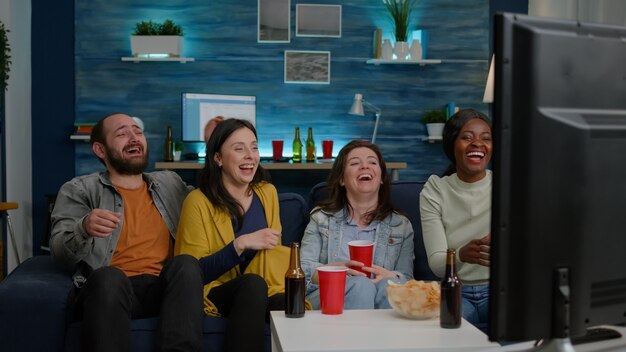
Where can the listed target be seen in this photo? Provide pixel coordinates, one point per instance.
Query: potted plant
(400, 12)
(434, 121)
(178, 150)
(153, 39)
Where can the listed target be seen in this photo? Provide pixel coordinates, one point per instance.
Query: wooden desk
(194, 165)
(370, 330)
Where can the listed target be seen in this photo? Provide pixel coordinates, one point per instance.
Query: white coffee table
(371, 330)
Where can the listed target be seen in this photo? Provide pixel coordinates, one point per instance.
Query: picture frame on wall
(317, 20)
(273, 21)
(307, 67)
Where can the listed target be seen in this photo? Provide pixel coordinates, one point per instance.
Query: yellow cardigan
(204, 230)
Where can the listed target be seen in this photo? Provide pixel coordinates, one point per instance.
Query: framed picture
(274, 21)
(314, 20)
(308, 67)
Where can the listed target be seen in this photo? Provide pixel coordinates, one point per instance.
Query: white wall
(16, 15)
(598, 11)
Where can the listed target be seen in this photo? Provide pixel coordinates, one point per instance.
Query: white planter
(147, 45)
(401, 49)
(435, 129)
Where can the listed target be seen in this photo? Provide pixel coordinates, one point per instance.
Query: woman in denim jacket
(358, 208)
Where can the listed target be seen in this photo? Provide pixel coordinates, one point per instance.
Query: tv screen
(559, 192)
(198, 109)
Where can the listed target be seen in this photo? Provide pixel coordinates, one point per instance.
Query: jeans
(244, 301)
(360, 293)
(476, 305)
(110, 299)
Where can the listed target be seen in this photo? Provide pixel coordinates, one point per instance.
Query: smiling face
(472, 150)
(125, 150)
(362, 173)
(238, 158)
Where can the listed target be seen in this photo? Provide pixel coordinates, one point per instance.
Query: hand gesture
(101, 222)
(350, 264)
(266, 238)
(477, 251)
(379, 272)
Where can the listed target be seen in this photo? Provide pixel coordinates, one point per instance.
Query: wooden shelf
(137, 60)
(403, 62)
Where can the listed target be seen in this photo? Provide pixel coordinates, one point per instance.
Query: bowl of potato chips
(415, 299)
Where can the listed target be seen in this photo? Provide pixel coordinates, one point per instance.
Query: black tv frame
(559, 189)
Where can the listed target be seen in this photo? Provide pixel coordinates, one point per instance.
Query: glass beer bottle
(295, 285)
(450, 308)
(297, 147)
(310, 146)
(168, 146)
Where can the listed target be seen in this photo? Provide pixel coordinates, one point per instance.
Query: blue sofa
(34, 297)
(34, 301)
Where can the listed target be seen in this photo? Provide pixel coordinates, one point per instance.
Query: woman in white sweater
(456, 210)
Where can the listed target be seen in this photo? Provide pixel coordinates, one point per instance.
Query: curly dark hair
(337, 197)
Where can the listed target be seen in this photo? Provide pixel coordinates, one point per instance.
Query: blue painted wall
(221, 36)
(74, 80)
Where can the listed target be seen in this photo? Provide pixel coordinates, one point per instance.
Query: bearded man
(116, 229)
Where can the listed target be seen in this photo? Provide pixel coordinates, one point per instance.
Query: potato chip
(415, 299)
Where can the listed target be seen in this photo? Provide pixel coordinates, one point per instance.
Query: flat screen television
(558, 227)
(199, 108)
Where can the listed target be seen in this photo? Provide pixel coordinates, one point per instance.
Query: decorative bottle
(295, 285)
(310, 146)
(386, 52)
(416, 50)
(168, 146)
(450, 308)
(297, 147)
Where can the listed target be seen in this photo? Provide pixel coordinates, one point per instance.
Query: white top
(453, 213)
(371, 330)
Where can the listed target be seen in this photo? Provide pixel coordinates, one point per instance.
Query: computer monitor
(198, 109)
(558, 227)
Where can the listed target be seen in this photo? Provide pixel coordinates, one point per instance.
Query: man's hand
(477, 251)
(210, 126)
(101, 222)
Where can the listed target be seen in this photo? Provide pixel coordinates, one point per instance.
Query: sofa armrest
(34, 306)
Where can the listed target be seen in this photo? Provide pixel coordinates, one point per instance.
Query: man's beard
(126, 167)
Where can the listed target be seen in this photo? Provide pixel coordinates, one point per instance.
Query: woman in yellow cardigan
(231, 224)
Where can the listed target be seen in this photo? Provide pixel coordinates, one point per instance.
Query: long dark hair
(210, 180)
(451, 132)
(337, 195)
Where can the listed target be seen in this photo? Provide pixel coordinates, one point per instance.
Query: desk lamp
(488, 97)
(357, 109)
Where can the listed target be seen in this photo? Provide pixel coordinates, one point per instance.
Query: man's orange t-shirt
(144, 243)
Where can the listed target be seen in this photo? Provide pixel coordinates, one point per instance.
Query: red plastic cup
(332, 281)
(277, 150)
(361, 251)
(327, 149)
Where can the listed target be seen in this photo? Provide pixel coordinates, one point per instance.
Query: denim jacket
(393, 244)
(70, 244)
